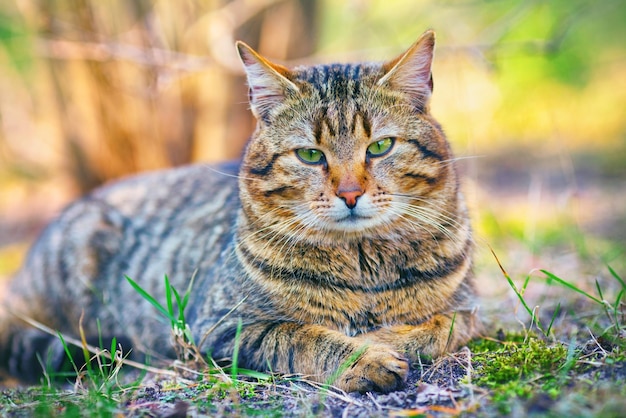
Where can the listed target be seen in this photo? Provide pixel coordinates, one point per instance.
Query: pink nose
(350, 197)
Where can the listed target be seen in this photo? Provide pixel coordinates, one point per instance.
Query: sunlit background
(532, 95)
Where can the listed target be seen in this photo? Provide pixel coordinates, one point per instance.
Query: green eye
(310, 155)
(380, 148)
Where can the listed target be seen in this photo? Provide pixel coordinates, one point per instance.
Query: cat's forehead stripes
(339, 88)
(336, 80)
(322, 124)
(361, 120)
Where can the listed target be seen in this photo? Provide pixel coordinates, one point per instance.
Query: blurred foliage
(94, 90)
(15, 41)
(519, 70)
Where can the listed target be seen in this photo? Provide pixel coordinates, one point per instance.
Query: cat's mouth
(353, 217)
(355, 222)
(338, 218)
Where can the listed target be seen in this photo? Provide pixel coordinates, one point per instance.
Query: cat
(342, 238)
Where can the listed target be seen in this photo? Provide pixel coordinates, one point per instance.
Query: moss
(518, 367)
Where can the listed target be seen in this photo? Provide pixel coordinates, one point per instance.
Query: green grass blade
(113, 351)
(188, 291)
(451, 330)
(181, 322)
(520, 296)
(68, 353)
(168, 297)
(556, 312)
(233, 368)
(181, 309)
(354, 357)
(99, 328)
(617, 277)
(254, 374)
(525, 285)
(599, 290)
(571, 286)
(616, 312)
(149, 298)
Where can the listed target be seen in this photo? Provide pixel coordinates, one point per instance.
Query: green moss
(519, 367)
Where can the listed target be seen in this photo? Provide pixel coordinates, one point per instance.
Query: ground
(552, 291)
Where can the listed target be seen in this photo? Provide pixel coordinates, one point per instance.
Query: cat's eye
(381, 147)
(310, 155)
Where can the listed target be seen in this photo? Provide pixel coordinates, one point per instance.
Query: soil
(441, 388)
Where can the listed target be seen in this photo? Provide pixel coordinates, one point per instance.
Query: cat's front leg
(440, 334)
(325, 355)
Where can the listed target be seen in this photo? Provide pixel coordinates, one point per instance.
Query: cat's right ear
(269, 83)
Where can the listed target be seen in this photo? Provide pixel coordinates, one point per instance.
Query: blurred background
(531, 93)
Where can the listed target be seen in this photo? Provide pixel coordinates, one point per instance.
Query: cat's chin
(355, 226)
(354, 223)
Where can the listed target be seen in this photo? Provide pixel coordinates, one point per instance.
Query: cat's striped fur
(368, 247)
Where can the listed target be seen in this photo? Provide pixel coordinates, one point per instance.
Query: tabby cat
(341, 235)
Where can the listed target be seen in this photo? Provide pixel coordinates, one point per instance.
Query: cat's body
(343, 230)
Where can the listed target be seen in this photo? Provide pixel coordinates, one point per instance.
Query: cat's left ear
(269, 83)
(410, 72)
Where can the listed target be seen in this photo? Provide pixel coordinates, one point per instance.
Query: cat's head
(346, 150)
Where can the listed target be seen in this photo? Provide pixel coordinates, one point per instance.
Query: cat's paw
(378, 369)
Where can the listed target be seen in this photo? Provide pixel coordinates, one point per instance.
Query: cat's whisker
(415, 226)
(450, 161)
(280, 233)
(266, 229)
(426, 217)
(270, 235)
(446, 215)
(423, 219)
(222, 173)
(433, 219)
(286, 237)
(431, 214)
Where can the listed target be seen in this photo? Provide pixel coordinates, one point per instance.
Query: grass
(97, 389)
(566, 358)
(180, 328)
(540, 368)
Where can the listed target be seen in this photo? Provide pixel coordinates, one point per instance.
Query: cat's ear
(411, 71)
(269, 83)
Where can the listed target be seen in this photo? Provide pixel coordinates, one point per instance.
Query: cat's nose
(350, 197)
